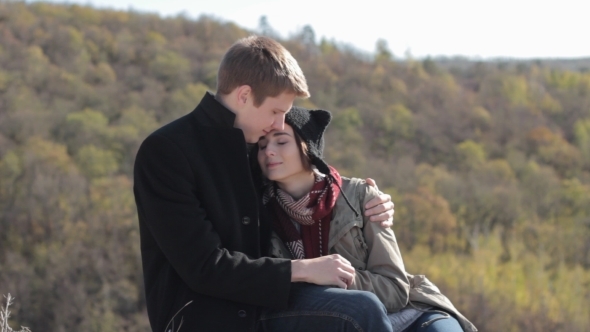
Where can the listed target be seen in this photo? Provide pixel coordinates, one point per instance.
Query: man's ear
(243, 94)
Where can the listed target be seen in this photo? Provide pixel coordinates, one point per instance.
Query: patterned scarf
(313, 213)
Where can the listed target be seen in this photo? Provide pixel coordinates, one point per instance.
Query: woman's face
(279, 156)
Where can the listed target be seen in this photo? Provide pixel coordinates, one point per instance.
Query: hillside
(488, 162)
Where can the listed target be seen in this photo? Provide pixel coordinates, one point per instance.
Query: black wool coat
(201, 232)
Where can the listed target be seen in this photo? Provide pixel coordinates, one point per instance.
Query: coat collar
(211, 112)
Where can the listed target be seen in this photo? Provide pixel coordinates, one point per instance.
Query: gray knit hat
(310, 125)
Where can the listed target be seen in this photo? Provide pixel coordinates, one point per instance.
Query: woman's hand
(331, 270)
(380, 208)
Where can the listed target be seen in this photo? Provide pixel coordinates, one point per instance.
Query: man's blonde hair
(264, 65)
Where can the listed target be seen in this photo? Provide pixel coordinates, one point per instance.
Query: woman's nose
(269, 151)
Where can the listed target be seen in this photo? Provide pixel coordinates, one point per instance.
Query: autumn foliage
(488, 162)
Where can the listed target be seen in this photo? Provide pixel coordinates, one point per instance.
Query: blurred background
(475, 118)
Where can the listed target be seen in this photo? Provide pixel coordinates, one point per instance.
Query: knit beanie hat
(310, 125)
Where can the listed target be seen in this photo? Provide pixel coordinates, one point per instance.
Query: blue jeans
(326, 309)
(449, 324)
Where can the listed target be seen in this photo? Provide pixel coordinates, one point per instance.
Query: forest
(488, 162)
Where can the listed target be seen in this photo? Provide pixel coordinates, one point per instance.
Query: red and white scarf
(313, 213)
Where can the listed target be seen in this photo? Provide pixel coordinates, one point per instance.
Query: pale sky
(472, 28)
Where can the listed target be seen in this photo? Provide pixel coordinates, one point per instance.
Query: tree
(95, 162)
(382, 52)
(346, 146)
(582, 135)
(182, 101)
(170, 68)
(500, 147)
(470, 154)
(265, 28)
(84, 127)
(427, 220)
(395, 123)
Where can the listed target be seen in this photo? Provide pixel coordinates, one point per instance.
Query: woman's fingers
(341, 283)
(345, 272)
(347, 278)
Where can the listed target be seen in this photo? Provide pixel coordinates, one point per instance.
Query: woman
(315, 212)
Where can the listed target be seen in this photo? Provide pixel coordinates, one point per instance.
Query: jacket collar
(211, 112)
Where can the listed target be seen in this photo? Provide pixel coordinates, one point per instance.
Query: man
(203, 240)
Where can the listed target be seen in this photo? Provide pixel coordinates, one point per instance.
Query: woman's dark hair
(305, 160)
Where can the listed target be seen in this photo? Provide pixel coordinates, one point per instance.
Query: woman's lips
(272, 165)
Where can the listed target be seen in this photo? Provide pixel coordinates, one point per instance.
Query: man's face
(258, 121)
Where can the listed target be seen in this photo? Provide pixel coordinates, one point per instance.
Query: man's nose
(279, 122)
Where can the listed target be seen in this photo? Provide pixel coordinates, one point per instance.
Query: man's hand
(380, 208)
(331, 270)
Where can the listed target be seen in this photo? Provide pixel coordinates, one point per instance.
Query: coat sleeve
(169, 210)
(385, 273)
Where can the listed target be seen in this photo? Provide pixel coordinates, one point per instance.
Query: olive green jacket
(374, 253)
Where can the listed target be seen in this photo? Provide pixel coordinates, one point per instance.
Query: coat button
(242, 313)
(246, 220)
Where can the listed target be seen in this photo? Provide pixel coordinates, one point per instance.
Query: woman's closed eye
(263, 147)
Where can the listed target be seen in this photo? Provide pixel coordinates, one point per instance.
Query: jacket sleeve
(385, 273)
(170, 211)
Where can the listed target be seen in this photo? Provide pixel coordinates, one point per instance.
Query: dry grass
(5, 314)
